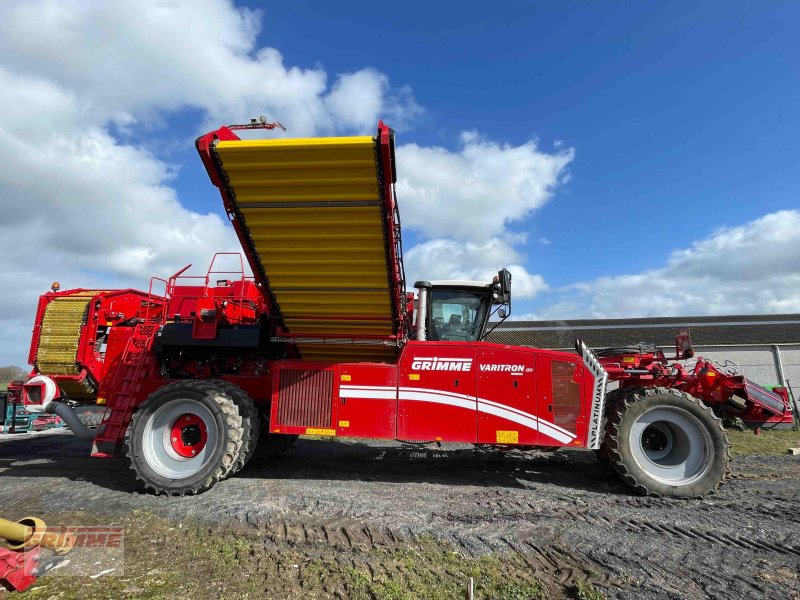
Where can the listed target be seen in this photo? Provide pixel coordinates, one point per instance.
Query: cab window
(456, 315)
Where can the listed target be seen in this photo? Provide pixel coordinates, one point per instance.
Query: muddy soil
(561, 515)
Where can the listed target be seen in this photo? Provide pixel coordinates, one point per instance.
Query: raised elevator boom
(318, 221)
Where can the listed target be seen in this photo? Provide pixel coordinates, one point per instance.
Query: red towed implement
(323, 339)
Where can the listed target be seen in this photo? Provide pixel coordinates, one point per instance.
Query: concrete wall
(790, 357)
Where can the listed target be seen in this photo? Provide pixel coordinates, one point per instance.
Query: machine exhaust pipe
(72, 420)
(39, 395)
(424, 288)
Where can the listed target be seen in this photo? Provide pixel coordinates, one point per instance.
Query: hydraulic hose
(15, 532)
(71, 419)
(31, 532)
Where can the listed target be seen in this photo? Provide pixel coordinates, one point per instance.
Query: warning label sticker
(507, 437)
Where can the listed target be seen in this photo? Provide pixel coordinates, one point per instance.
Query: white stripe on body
(461, 401)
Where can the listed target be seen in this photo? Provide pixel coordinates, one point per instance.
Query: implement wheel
(664, 442)
(185, 438)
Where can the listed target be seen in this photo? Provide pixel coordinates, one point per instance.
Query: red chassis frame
(716, 385)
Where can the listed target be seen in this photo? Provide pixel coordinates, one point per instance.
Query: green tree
(10, 373)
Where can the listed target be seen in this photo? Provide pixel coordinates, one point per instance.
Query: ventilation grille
(305, 398)
(566, 395)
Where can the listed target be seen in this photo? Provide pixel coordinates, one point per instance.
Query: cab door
(507, 403)
(436, 392)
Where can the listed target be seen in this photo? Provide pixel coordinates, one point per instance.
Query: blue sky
(622, 158)
(684, 116)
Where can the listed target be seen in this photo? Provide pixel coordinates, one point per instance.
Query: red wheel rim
(188, 435)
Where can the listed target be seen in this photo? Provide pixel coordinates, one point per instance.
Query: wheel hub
(671, 445)
(188, 435)
(654, 439)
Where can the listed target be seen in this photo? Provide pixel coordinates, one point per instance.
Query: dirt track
(561, 514)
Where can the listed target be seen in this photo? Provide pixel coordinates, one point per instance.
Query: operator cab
(459, 311)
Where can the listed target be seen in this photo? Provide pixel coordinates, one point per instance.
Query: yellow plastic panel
(301, 170)
(77, 390)
(312, 209)
(335, 304)
(333, 353)
(320, 247)
(321, 326)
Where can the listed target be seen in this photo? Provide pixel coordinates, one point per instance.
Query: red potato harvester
(323, 339)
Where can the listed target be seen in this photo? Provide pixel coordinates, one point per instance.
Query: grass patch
(179, 560)
(746, 443)
(583, 590)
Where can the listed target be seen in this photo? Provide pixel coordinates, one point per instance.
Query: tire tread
(612, 442)
(234, 434)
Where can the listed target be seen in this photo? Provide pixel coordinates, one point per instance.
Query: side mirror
(504, 278)
(501, 312)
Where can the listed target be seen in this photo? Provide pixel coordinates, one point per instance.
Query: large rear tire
(663, 442)
(250, 421)
(184, 438)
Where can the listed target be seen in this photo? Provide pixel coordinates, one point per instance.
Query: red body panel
(440, 391)
(515, 388)
(372, 411)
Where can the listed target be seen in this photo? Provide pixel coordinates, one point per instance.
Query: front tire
(664, 442)
(184, 438)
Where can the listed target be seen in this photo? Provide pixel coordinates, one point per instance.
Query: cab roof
(461, 283)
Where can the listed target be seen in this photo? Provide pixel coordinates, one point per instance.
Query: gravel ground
(563, 514)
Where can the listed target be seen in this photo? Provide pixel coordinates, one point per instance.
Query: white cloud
(450, 259)
(748, 269)
(80, 205)
(361, 98)
(475, 193)
(463, 202)
(89, 208)
(128, 61)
